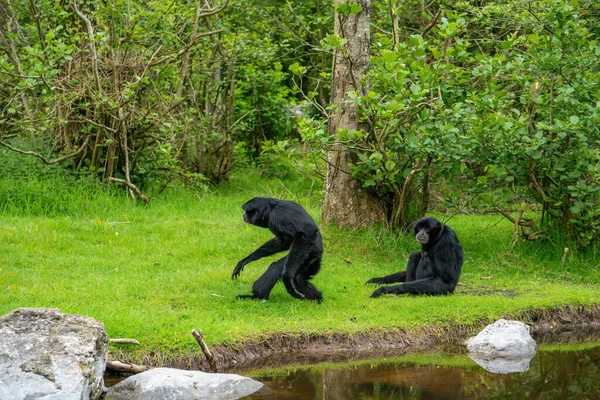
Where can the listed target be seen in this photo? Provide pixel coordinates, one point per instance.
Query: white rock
(503, 339)
(503, 347)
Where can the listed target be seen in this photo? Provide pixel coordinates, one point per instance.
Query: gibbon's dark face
(422, 237)
(427, 230)
(256, 212)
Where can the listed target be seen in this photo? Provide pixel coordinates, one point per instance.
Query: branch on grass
(132, 187)
(123, 341)
(207, 353)
(123, 367)
(44, 159)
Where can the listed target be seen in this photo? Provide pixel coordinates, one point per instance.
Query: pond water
(555, 372)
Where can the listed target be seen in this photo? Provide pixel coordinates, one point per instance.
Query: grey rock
(503, 347)
(177, 384)
(45, 354)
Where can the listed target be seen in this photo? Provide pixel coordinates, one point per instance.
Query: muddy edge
(311, 348)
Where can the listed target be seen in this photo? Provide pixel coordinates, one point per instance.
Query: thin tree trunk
(13, 53)
(346, 202)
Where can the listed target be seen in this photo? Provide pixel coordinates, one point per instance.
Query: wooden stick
(132, 187)
(207, 353)
(120, 366)
(123, 340)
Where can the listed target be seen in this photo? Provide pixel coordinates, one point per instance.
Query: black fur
(294, 230)
(433, 271)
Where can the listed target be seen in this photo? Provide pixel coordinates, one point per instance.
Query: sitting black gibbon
(432, 271)
(294, 230)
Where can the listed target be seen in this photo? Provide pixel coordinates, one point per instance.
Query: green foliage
(160, 91)
(466, 108)
(540, 132)
(274, 160)
(508, 119)
(348, 7)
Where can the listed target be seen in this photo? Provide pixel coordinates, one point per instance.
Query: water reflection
(554, 374)
(501, 365)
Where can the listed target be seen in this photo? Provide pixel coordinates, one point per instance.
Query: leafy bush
(502, 108)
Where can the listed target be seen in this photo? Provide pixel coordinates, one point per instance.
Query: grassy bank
(155, 272)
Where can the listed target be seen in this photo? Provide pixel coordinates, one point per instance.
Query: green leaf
(574, 119)
(577, 207)
(376, 156)
(390, 56)
(415, 89)
(500, 171)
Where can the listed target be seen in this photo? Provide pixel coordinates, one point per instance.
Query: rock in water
(503, 347)
(176, 384)
(50, 355)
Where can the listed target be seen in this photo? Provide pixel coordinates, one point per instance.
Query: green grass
(155, 272)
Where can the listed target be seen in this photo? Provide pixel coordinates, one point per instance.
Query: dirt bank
(281, 349)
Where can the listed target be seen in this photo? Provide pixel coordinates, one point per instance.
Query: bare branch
(44, 159)
(214, 11)
(90, 32)
(432, 23)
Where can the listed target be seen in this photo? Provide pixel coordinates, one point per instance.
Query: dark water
(553, 373)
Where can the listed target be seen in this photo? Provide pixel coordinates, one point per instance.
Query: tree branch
(432, 23)
(44, 159)
(90, 32)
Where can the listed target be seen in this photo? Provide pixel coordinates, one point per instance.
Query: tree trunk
(346, 202)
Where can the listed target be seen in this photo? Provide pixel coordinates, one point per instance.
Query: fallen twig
(123, 341)
(132, 187)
